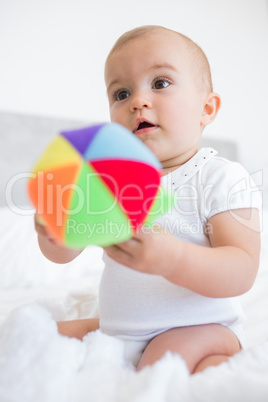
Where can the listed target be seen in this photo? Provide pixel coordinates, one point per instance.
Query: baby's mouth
(144, 127)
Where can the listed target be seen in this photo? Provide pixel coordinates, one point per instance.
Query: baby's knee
(213, 360)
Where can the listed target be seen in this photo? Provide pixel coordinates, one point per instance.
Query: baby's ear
(211, 108)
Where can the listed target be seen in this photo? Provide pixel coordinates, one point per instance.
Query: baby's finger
(118, 254)
(37, 224)
(41, 228)
(130, 246)
(145, 231)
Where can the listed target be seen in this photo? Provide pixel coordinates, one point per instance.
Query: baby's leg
(78, 328)
(200, 346)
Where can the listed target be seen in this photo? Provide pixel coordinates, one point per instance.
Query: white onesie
(136, 306)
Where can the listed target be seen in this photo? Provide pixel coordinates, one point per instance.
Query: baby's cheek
(117, 114)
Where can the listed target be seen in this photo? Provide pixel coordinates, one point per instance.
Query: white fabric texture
(137, 306)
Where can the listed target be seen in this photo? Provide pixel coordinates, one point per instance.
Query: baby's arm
(50, 248)
(228, 268)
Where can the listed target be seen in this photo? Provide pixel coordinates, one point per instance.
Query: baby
(174, 288)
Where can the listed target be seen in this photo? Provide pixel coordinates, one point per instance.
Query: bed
(38, 364)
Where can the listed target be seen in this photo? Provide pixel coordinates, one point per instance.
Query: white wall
(52, 54)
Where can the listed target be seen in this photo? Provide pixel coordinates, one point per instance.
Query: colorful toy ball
(97, 185)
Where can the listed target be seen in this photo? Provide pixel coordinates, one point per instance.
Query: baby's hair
(200, 60)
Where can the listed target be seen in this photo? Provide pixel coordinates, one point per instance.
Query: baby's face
(153, 91)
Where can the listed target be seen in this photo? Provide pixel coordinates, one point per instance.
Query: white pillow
(22, 264)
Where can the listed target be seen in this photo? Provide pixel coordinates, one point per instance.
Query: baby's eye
(121, 95)
(161, 83)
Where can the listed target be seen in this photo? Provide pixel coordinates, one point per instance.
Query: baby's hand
(153, 251)
(50, 247)
(41, 229)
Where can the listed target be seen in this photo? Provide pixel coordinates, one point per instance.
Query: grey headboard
(24, 137)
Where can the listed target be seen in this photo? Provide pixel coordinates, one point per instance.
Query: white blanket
(38, 364)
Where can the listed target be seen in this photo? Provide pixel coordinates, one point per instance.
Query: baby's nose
(139, 102)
